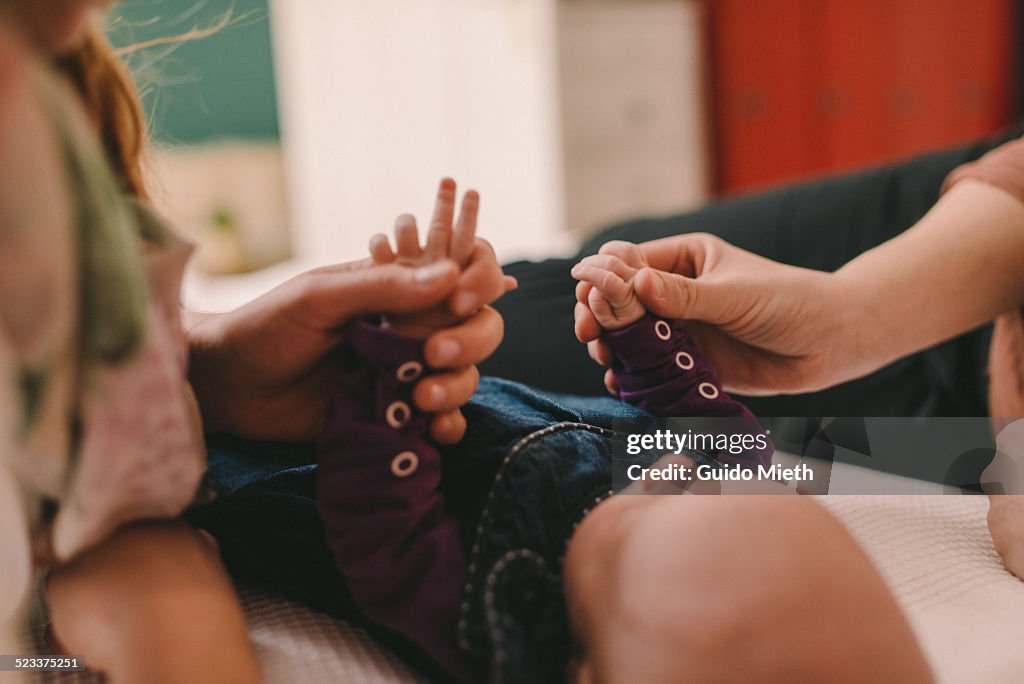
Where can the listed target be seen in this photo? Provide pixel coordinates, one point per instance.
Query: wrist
(859, 342)
(205, 333)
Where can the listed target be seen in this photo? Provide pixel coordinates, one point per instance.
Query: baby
(379, 475)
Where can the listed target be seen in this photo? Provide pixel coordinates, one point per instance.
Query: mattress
(933, 550)
(936, 555)
(293, 644)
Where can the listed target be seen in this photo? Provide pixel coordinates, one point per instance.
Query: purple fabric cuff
(659, 368)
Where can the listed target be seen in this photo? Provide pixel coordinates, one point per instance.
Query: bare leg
(153, 604)
(730, 588)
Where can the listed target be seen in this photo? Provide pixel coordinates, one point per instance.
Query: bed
(932, 548)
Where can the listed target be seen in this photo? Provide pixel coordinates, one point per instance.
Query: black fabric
(822, 225)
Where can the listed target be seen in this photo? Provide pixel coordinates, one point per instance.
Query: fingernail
(432, 272)
(437, 395)
(464, 302)
(448, 351)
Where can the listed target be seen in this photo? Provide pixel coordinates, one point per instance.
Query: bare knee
(149, 600)
(728, 588)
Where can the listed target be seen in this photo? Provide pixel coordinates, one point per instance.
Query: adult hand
(765, 326)
(264, 371)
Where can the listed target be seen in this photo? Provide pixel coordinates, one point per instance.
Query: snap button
(707, 390)
(404, 464)
(409, 371)
(684, 361)
(398, 414)
(663, 330)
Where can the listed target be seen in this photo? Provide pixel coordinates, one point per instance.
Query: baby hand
(612, 299)
(482, 280)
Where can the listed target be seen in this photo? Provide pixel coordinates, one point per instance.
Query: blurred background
(298, 128)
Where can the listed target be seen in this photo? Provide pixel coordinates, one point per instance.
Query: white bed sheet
(933, 550)
(936, 555)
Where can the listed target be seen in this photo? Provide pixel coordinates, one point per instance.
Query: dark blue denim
(529, 469)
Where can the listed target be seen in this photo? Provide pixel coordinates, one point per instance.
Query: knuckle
(484, 248)
(616, 247)
(687, 294)
(624, 252)
(711, 244)
(306, 287)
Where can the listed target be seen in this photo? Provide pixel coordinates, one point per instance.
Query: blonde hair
(112, 102)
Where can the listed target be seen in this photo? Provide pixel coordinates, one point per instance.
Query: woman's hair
(112, 102)
(111, 99)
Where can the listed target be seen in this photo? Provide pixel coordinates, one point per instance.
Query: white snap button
(663, 330)
(398, 414)
(684, 361)
(409, 371)
(405, 464)
(707, 390)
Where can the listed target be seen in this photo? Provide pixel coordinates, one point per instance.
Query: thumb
(676, 296)
(389, 288)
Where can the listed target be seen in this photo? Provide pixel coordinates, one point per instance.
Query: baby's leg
(698, 588)
(1004, 481)
(153, 604)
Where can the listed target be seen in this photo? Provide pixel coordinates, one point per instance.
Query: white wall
(566, 115)
(632, 91)
(381, 98)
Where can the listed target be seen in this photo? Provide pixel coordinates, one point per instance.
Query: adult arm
(771, 328)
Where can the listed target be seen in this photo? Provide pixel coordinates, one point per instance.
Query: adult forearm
(956, 269)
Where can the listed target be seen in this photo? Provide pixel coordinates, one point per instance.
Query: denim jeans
(530, 467)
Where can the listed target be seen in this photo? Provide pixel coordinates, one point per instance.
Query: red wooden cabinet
(803, 87)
